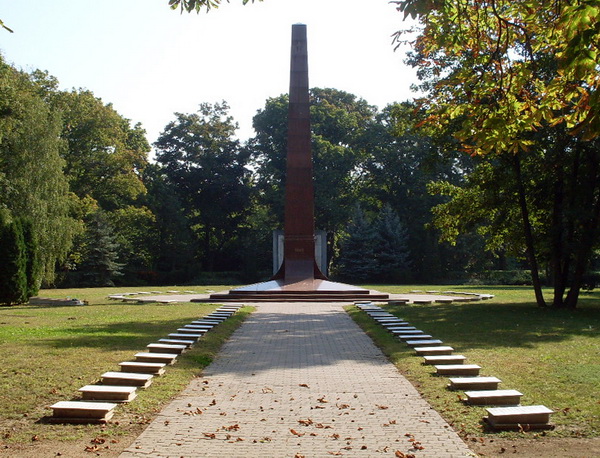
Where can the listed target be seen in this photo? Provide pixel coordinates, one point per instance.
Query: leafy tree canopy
(198, 5)
(505, 68)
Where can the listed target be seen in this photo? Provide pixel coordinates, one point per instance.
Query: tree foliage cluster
(516, 82)
(375, 249)
(505, 157)
(101, 212)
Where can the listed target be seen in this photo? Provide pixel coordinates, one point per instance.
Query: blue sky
(150, 61)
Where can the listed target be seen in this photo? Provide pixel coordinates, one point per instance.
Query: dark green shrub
(13, 268)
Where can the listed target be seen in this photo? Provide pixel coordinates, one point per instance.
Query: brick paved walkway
(298, 380)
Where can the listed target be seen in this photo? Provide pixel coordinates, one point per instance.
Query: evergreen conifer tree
(99, 266)
(391, 246)
(357, 257)
(13, 268)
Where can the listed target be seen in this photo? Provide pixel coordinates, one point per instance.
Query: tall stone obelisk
(299, 264)
(299, 277)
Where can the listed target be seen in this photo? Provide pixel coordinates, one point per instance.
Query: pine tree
(391, 246)
(357, 257)
(99, 266)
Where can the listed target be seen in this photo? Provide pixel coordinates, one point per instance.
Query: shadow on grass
(129, 335)
(493, 324)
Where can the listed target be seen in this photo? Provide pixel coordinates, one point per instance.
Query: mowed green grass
(551, 356)
(49, 352)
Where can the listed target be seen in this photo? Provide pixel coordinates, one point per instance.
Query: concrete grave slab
(82, 412)
(108, 393)
(127, 379)
(474, 383)
(143, 368)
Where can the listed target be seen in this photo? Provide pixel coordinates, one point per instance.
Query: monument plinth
(299, 277)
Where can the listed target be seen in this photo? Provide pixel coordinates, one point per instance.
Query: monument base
(303, 290)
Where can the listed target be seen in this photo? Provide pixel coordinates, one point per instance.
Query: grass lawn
(551, 356)
(49, 352)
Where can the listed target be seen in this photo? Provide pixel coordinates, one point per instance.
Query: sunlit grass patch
(49, 352)
(551, 356)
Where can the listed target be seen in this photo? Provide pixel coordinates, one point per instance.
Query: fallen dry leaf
(306, 422)
(382, 407)
(210, 435)
(322, 400)
(399, 454)
(296, 433)
(303, 385)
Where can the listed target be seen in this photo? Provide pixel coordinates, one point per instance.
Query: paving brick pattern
(299, 380)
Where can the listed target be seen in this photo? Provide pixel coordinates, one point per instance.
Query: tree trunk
(530, 248)
(560, 269)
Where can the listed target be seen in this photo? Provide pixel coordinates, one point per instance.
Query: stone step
(519, 417)
(218, 319)
(166, 348)
(292, 296)
(474, 383)
(127, 379)
(108, 393)
(408, 332)
(148, 357)
(207, 322)
(430, 351)
(422, 301)
(406, 337)
(191, 331)
(205, 327)
(399, 329)
(457, 369)
(143, 368)
(493, 397)
(444, 359)
(82, 412)
(390, 320)
(396, 325)
(186, 336)
(424, 343)
(187, 343)
(444, 301)
(398, 302)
